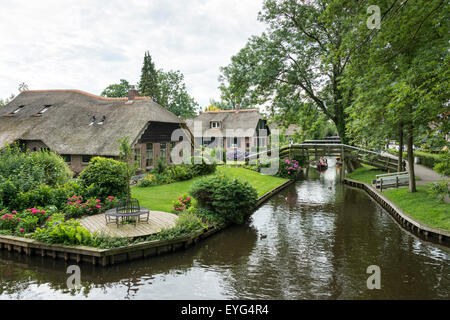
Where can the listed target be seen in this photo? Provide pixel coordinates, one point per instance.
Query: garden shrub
(44, 195)
(107, 177)
(439, 189)
(209, 216)
(229, 198)
(76, 207)
(27, 224)
(187, 223)
(27, 169)
(199, 167)
(59, 231)
(103, 241)
(182, 203)
(288, 168)
(443, 167)
(8, 222)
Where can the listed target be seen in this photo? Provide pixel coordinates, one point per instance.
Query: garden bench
(395, 179)
(125, 210)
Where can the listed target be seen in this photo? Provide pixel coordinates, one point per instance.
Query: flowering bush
(182, 203)
(76, 207)
(8, 221)
(27, 224)
(289, 168)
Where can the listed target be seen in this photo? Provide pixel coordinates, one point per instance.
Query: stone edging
(105, 257)
(422, 230)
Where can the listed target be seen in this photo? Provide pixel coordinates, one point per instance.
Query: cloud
(88, 45)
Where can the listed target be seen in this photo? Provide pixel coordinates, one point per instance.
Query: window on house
(215, 124)
(17, 110)
(149, 155)
(86, 158)
(163, 151)
(66, 157)
(137, 156)
(46, 107)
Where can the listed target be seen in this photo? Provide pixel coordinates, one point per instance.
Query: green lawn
(160, 198)
(365, 174)
(421, 206)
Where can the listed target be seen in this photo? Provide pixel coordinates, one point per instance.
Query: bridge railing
(324, 147)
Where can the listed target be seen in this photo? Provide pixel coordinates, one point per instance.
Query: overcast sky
(88, 45)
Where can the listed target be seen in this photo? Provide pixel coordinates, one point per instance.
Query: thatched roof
(289, 131)
(241, 121)
(65, 128)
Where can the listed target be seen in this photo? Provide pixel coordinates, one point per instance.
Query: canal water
(314, 240)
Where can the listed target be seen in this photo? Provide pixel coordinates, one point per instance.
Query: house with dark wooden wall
(78, 126)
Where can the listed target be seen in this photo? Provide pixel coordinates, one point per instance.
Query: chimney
(132, 93)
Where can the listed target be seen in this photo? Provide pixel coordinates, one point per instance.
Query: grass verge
(420, 205)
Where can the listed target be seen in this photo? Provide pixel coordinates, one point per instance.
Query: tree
(126, 156)
(117, 90)
(173, 94)
(302, 57)
(148, 85)
(400, 79)
(4, 102)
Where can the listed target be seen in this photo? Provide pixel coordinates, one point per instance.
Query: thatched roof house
(79, 125)
(239, 128)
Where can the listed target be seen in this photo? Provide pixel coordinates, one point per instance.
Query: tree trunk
(400, 149)
(412, 178)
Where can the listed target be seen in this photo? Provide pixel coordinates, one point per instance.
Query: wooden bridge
(322, 148)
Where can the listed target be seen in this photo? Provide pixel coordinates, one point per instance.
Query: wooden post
(396, 181)
(381, 185)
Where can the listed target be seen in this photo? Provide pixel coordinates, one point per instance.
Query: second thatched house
(78, 125)
(239, 129)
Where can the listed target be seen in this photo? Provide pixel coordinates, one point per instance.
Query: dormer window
(215, 124)
(44, 109)
(17, 110)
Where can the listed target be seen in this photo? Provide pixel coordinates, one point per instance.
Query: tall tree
(173, 94)
(117, 90)
(148, 85)
(401, 77)
(301, 57)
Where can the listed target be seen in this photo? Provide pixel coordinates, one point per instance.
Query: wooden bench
(395, 179)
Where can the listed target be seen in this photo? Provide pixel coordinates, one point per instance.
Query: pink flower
(98, 206)
(21, 230)
(14, 212)
(97, 200)
(18, 219)
(188, 198)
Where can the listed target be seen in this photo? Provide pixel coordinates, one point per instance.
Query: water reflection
(321, 237)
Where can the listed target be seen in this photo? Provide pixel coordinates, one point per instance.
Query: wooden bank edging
(422, 230)
(105, 257)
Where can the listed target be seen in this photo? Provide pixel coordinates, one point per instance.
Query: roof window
(46, 107)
